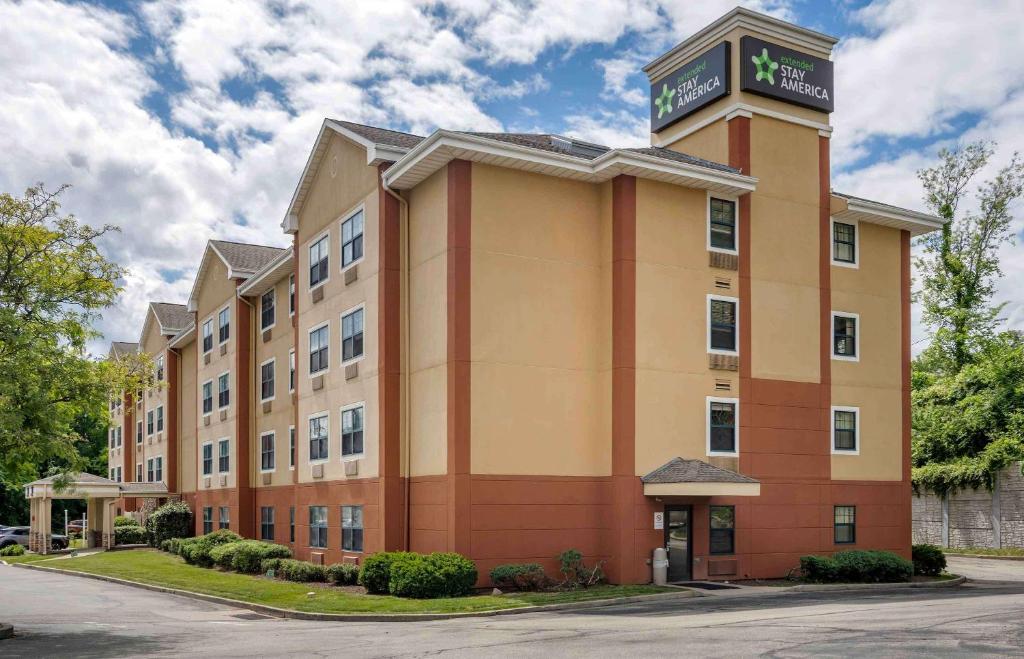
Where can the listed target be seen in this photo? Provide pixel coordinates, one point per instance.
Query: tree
(53, 282)
(959, 265)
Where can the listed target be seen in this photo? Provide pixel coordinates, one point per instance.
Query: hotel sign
(788, 75)
(701, 81)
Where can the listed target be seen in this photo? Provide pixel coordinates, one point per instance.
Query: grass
(27, 558)
(159, 568)
(985, 551)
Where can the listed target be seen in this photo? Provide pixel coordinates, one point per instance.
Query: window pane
(723, 325)
(845, 339)
(723, 224)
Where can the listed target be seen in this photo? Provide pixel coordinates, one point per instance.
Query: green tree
(960, 264)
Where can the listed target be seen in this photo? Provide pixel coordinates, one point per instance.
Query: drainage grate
(705, 585)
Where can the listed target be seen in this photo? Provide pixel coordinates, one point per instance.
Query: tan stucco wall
(536, 318)
(330, 200)
(188, 417)
(710, 142)
(155, 445)
(428, 227)
(282, 413)
(673, 281)
(873, 383)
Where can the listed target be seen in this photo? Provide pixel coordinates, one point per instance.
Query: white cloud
(614, 129)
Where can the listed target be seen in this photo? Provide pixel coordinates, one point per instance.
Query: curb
(882, 587)
(370, 617)
(6, 631)
(987, 557)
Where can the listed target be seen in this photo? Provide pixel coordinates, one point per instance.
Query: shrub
(196, 551)
(124, 520)
(171, 545)
(520, 576)
(928, 560)
(375, 574)
(171, 520)
(268, 564)
(819, 569)
(413, 576)
(575, 573)
(301, 571)
(857, 566)
(12, 550)
(458, 574)
(222, 555)
(129, 535)
(250, 554)
(343, 574)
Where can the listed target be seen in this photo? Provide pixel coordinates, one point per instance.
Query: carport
(100, 494)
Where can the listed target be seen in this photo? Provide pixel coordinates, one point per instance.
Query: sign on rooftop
(788, 75)
(702, 80)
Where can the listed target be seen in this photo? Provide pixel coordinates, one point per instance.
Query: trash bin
(659, 564)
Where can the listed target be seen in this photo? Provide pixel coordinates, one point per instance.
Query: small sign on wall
(659, 521)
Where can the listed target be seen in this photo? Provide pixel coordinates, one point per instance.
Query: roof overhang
(74, 490)
(183, 338)
(375, 155)
(269, 275)
(852, 209)
(444, 146)
(204, 265)
(702, 489)
(163, 329)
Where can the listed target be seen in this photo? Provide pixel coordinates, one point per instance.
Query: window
(111, 442)
(207, 519)
(138, 432)
(149, 470)
(208, 397)
(223, 391)
(722, 429)
(352, 431)
(721, 225)
(225, 517)
(844, 243)
(352, 239)
(267, 380)
(291, 295)
(267, 523)
(722, 324)
(160, 368)
(317, 526)
(208, 336)
(119, 436)
(207, 458)
(318, 349)
(352, 335)
(723, 529)
(318, 258)
(267, 310)
(223, 456)
(160, 419)
(291, 371)
(352, 528)
(224, 324)
(291, 524)
(845, 430)
(291, 447)
(845, 526)
(118, 479)
(138, 472)
(158, 469)
(267, 452)
(318, 437)
(149, 422)
(845, 343)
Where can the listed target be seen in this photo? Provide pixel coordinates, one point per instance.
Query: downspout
(253, 379)
(403, 219)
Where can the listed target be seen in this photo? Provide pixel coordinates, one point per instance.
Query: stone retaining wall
(974, 518)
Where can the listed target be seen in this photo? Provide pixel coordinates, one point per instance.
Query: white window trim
(707, 426)
(217, 400)
(832, 243)
(228, 308)
(345, 217)
(272, 360)
(341, 425)
(293, 364)
(213, 334)
(341, 333)
(273, 294)
(160, 417)
(213, 458)
(216, 456)
(292, 281)
(292, 458)
(309, 263)
(707, 324)
(323, 371)
(148, 412)
(832, 336)
(140, 472)
(317, 415)
(262, 435)
(213, 399)
(707, 222)
(832, 429)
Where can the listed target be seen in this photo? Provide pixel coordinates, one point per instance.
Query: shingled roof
(669, 154)
(382, 135)
(244, 257)
(119, 348)
(548, 142)
(678, 470)
(172, 317)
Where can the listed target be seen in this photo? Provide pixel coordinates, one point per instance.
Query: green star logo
(765, 67)
(664, 102)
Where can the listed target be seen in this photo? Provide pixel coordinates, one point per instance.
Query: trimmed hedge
(124, 520)
(271, 564)
(171, 545)
(408, 574)
(300, 571)
(857, 566)
(458, 574)
(171, 520)
(928, 560)
(376, 572)
(520, 576)
(343, 574)
(129, 534)
(223, 555)
(196, 551)
(12, 550)
(250, 554)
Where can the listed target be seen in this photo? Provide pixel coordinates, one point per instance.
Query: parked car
(18, 535)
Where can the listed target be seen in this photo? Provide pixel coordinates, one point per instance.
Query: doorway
(678, 542)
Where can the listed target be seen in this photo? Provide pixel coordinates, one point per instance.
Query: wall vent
(723, 385)
(723, 282)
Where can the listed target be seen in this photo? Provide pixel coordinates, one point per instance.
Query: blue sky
(189, 120)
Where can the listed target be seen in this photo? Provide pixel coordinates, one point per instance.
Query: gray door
(677, 542)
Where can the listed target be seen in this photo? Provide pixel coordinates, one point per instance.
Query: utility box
(659, 566)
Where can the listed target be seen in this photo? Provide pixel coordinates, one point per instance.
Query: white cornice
(669, 136)
(865, 210)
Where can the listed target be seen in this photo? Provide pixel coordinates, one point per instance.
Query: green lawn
(27, 558)
(985, 551)
(159, 568)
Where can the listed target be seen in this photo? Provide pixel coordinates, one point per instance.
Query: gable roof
(172, 317)
(678, 470)
(242, 261)
(119, 348)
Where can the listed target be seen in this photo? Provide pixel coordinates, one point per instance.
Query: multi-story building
(508, 345)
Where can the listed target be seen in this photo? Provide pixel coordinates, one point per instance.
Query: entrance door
(677, 542)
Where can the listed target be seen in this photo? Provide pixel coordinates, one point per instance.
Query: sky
(190, 120)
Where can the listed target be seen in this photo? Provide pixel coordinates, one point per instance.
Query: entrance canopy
(696, 478)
